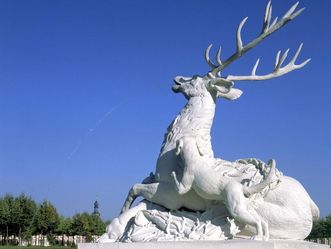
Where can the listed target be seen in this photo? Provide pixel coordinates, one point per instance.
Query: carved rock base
(227, 244)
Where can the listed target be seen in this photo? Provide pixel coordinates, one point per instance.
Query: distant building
(96, 208)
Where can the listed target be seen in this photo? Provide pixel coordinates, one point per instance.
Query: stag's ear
(233, 94)
(221, 85)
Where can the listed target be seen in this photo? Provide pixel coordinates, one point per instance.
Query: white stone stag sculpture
(265, 203)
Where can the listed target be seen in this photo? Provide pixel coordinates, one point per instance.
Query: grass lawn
(36, 247)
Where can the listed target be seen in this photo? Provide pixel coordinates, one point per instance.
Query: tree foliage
(321, 228)
(21, 217)
(87, 225)
(46, 219)
(65, 226)
(97, 226)
(16, 215)
(6, 204)
(24, 212)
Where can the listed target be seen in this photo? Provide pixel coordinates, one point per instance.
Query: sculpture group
(192, 194)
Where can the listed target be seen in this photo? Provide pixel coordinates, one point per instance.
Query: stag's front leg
(161, 193)
(145, 190)
(116, 228)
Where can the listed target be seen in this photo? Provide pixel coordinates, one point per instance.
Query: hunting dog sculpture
(202, 175)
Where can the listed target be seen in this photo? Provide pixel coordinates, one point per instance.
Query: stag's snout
(176, 86)
(178, 81)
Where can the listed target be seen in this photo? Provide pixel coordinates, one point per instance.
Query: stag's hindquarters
(289, 211)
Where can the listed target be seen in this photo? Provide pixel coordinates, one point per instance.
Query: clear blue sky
(85, 94)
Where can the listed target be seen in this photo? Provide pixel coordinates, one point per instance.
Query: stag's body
(195, 119)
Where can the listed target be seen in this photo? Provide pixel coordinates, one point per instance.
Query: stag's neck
(195, 119)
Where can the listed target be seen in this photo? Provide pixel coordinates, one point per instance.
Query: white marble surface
(226, 244)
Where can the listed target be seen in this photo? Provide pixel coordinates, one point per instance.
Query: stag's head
(204, 85)
(215, 85)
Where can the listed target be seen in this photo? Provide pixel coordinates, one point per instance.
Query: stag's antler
(278, 71)
(267, 30)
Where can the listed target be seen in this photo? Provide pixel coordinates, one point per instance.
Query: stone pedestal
(227, 244)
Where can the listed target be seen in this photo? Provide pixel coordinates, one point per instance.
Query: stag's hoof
(105, 239)
(114, 230)
(257, 237)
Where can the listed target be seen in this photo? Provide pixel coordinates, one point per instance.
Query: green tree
(81, 225)
(64, 227)
(97, 226)
(321, 229)
(46, 220)
(23, 211)
(16, 215)
(5, 216)
(87, 225)
(328, 226)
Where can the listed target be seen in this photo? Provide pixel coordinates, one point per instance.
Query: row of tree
(321, 229)
(21, 217)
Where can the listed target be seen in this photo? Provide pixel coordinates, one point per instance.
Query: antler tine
(277, 58)
(291, 10)
(266, 13)
(303, 64)
(239, 40)
(295, 57)
(218, 56)
(278, 71)
(209, 62)
(280, 62)
(267, 30)
(267, 16)
(274, 22)
(255, 66)
(297, 13)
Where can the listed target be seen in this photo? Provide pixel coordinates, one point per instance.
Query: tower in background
(96, 208)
